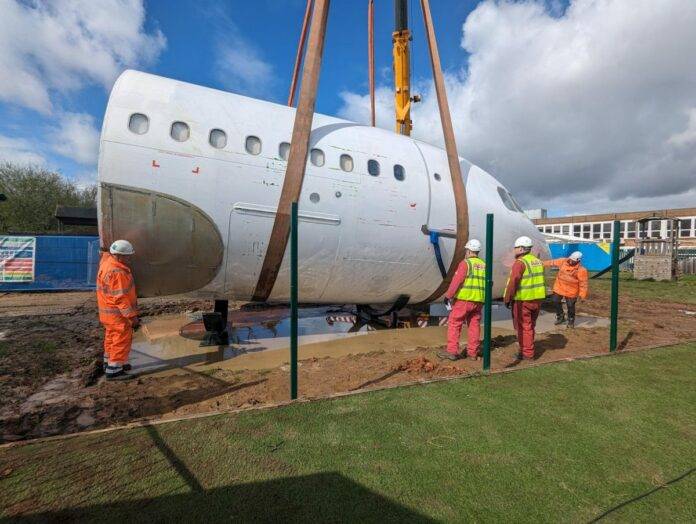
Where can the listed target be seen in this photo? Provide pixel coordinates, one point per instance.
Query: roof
(607, 217)
(76, 216)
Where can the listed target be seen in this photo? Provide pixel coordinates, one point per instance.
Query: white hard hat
(121, 247)
(576, 255)
(473, 245)
(523, 242)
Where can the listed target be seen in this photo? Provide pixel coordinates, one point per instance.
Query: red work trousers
(117, 340)
(524, 317)
(469, 313)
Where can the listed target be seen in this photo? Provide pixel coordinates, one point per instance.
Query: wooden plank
(300, 52)
(299, 147)
(462, 208)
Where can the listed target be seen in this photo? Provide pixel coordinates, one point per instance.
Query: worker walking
(117, 303)
(524, 293)
(570, 284)
(468, 289)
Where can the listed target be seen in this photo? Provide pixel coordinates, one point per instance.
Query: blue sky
(575, 105)
(195, 32)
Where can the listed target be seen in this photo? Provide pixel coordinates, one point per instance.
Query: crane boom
(402, 70)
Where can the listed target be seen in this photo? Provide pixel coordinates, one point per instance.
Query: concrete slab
(158, 347)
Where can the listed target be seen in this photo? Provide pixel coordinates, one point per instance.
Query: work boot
(571, 323)
(446, 355)
(117, 373)
(559, 320)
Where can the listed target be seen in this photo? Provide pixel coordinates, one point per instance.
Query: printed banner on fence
(17, 259)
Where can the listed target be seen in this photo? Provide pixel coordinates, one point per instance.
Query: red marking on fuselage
(412, 204)
(155, 164)
(196, 171)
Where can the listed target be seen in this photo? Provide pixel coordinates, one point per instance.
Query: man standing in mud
(117, 302)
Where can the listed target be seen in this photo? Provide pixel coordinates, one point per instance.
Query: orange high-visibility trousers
(117, 341)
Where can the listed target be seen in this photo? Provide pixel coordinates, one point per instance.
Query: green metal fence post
(293, 301)
(614, 287)
(489, 294)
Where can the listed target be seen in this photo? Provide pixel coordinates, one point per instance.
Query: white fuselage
(361, 237)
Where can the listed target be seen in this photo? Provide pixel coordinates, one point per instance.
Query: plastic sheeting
(60, 263)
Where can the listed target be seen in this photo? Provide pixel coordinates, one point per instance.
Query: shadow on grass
(319, 497)
(622, 345)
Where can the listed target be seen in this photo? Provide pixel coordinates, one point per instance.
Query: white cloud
(19, 151)
(62, 45)
(76, 137)
(589, 109)
(242, 70)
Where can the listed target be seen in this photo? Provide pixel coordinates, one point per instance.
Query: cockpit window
(508, 200)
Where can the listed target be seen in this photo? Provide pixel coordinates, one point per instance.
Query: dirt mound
(417, 365)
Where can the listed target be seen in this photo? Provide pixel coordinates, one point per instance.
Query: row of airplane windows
(139, 124)
(627, 229)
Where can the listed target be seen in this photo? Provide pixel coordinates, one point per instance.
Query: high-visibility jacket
(572, 279)
(474, 286)
(532, 285)
(116, 297)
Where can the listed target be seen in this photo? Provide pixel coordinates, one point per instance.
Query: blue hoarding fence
(60, 263)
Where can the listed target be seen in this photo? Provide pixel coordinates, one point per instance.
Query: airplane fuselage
(192, 177)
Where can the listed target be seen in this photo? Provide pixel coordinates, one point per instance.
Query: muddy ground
(50, 352)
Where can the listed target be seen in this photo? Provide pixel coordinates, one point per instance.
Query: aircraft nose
(178, 248)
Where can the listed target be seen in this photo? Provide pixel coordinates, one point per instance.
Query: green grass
(558, 443)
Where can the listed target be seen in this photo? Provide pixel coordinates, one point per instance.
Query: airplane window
(399, 172)
(373, 167)
(505, 197)
(514, 203)
(346, 163)
(217, 138)
(138, 123)
(180, 131)
(437, 177)
(284, 150)
(316, 156)
(253, 145)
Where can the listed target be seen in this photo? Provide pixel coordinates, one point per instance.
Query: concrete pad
(158, 347)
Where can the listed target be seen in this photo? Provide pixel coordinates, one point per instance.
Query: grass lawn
(682, 291)
(564, 442)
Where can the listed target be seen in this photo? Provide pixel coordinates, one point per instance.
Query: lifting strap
(435, 241)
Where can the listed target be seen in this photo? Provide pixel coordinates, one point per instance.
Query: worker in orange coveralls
(571, 284)
(524, 293)
(118, 312)
(468, 287)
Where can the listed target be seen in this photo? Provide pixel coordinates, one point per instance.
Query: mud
(49, 365)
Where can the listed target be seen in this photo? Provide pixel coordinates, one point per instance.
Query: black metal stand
(215, 323)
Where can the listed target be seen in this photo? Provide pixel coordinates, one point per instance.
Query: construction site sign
(17, 259)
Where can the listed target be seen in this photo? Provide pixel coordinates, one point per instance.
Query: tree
(32, 196)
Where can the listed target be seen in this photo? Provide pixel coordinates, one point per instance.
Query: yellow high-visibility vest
(533, 284)
(474, 287)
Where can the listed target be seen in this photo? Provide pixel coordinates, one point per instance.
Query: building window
(557, 230)
(630, 230)
(346, 162)
(541, 229)
(565, 230)
(316, 157)
(548, 229)
(217, 138)
(284, 150)
(138, 123)
(373, 167)
(252, 144)
(180, 131)
(577, 229)
(399, 172)
(686, 225)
